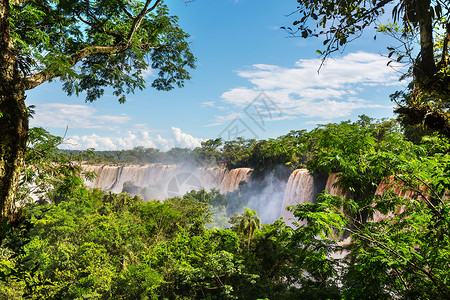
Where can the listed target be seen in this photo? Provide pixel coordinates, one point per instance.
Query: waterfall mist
(268, 193)
(264, 194)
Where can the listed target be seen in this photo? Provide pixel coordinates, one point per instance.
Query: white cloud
(207, 103)
(219, 120)
(281, 118)
(318, 122)
(147, 73)
(61, 115)
(302, 91)
(184, 140)
(240, 97)
(132, 138)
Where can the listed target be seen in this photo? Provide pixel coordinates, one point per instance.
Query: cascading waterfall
(232, 179)
(265, 196)
(299, 189)
(162, 181)
(390, 185)
(331, 187)
(213, 176)
(174, 180)
(106, 175)
(167, 180)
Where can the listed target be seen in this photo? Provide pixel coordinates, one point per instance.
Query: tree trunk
(13, 137)
(13, 118)
(425, 67)
(249, 237)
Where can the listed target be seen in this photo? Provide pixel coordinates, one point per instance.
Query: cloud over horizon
(76, 116)
(133, 138)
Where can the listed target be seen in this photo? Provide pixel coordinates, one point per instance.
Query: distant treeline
(295, 149)
(137, 155)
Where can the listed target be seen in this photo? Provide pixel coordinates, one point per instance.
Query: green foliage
(394, 209)
(202, 266)
(137, 282)
(285, 150)
(97, 244)
(409, 247)
(89, 46)
(47, 172)
(399, 238)
(209, 153)
(216, 203)
(112, 42)
(426, 111)
(14, 270)
(246, 223)
(349, 149)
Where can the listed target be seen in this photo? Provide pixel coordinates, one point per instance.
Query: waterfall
(162, 181)
(212, 176)
(299, 189)
(232, 179)
(389, 185)
(331, 188)
(302, 187)
(265, 196)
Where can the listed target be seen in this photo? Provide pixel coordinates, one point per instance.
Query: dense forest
(78, 242)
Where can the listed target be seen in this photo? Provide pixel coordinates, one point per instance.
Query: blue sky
(252, 80)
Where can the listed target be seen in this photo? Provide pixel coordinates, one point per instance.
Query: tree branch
(49, 73)
(437, 282)
(99, 25)
(122, 7)
(18, 2)
(153, 7)
(138, 20)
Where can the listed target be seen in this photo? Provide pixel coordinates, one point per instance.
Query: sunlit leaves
(53, 36)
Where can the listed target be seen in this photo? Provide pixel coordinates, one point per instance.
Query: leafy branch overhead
(422, 22)
(90, 45)
(343, 21)
(87, 45)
